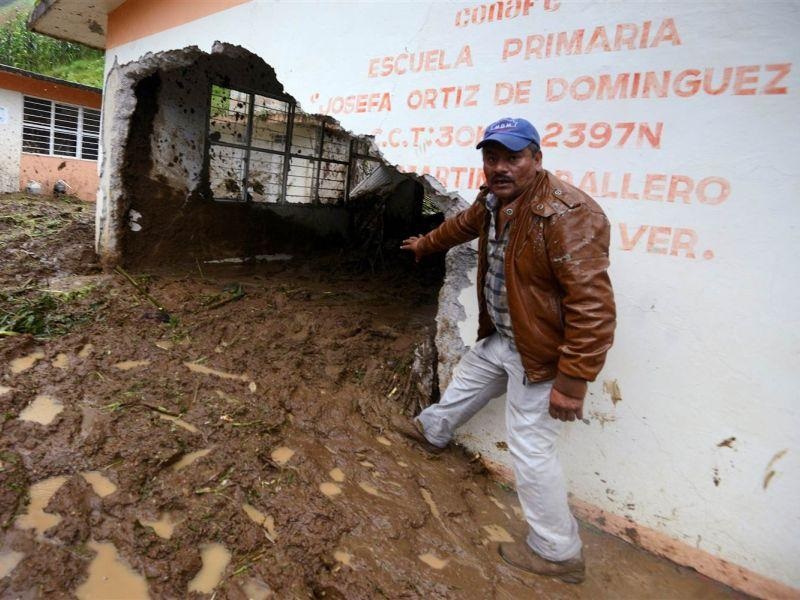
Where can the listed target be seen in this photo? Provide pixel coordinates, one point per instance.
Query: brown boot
(521, 556)
(412, 429)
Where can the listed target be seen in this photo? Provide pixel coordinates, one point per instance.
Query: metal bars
(57, 129)
(261, 150)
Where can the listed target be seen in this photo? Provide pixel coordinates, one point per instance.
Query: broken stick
(139, 289)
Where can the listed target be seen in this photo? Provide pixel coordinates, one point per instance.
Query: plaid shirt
(495, 287)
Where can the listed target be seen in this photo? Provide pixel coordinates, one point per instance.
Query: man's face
(508, 173)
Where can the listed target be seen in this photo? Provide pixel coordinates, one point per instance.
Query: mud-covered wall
(155, 200)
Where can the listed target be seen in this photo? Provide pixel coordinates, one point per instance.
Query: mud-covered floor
(236, 445)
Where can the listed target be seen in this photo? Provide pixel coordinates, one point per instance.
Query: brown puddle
(426, 495)
(337, 475)
(371, 489)
(383, 440)
(40, 494)
(111, 577)
(9, 561)
(101, 485)
(42, 410)
(163, 527)
(215, 559)
(23, 363)
(343, 557)
(433, 561)
(61, 361)
(498, 533)
(330, 489)
(190, 458)
(256, 589)
(204, 370)
(497, 503)
(179, 422)
(282, 455)
(266, 521)
(127, 365)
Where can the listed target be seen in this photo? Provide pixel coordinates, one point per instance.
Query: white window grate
(57, 129)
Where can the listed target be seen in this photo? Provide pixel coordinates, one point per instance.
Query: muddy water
(282, 455)
(426, 495)
(188, 459)
(111, 577)
(215, 559)
(372, 490)
(330, 489)
(179, 422)
(343, 557)
(40, 494)
(164, 527)
(42, 410)
(256, 589)
(497, 533)
(23, 363)
(101, 485)
(127, 365)
(433, 561)
(266, 521)
(61, 361)
(9, 561)
(204, 370)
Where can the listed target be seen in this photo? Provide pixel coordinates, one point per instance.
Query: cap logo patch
(503, 125)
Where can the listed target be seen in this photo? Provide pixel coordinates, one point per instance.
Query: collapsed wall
(205, 155)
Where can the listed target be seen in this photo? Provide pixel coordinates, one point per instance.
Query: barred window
(59, 129)
(261, 150)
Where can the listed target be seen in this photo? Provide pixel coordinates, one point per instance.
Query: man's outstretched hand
(412, 244)
(565, 408)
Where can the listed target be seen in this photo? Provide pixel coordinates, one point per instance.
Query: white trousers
(491, 367)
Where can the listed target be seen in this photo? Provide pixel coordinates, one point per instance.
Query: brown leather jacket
(559, 294)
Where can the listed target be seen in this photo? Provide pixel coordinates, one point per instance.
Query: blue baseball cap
(514, 134)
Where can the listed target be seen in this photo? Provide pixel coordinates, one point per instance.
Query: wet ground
(234, 444)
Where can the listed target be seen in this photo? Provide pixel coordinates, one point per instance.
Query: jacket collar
(547, 195)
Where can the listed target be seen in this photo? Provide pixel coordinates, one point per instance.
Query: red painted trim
(50, 90)
(661, 544)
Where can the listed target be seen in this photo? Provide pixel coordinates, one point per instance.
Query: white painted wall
(707, 345)
(11, 136)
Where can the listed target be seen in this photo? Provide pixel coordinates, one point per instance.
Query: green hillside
(42, 54)
(8, 8)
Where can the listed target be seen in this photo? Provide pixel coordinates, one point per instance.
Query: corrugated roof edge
(31, 74)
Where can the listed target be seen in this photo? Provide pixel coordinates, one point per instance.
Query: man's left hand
(565, 408)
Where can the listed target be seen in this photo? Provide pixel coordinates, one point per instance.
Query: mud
(112, 493)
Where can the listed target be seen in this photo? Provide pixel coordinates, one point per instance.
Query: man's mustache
(502, 179)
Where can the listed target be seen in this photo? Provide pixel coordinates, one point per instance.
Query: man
(546, 322)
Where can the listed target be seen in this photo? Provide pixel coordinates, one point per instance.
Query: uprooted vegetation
(220, 429)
